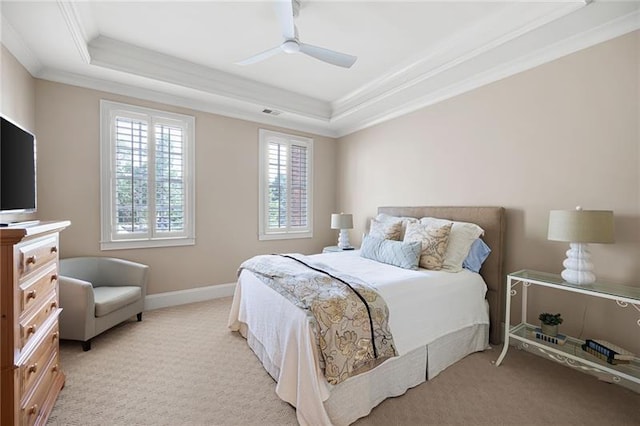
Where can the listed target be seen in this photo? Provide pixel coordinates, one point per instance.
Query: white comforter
(423, 306)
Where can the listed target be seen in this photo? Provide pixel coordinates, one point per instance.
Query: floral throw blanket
(350, 319)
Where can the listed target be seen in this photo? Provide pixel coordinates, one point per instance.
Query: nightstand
(569, 353)
(332, 249)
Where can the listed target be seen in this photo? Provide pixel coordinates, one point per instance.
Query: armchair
(97, 293)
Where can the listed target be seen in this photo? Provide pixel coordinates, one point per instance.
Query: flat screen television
(17, 169)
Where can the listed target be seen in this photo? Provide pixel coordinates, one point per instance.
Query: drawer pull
(33, 368)
(54, 249)
(31, 329)
(33, 409)
(55, 336)
(54, 277)
(55, 368)
(54, 305)
(31, 295)
(31, 260)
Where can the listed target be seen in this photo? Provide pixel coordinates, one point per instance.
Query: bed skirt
(347, 402)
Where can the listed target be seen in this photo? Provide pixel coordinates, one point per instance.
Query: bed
(281, 336)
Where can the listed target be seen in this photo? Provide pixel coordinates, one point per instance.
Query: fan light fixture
(286, 10)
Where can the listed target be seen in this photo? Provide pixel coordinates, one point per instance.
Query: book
(600, 355)
(610, 350)
(618, 352)
(560, 339)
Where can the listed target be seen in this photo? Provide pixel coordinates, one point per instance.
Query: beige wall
(17, 91)
(226, 189)
(563, 134)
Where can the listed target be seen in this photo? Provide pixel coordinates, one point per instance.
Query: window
(147, 181)
(285, 186)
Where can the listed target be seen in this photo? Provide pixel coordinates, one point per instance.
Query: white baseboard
(181, 297)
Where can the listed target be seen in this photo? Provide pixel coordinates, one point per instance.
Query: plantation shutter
(147, 171)
(277, 178)
(298, 201)
(288, 181)
(149, 179)
(170, 182)
(131, 172)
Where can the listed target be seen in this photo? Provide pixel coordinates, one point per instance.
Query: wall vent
(271, 111)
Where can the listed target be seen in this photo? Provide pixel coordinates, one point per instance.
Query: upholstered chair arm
(120, 272)
(78, 308)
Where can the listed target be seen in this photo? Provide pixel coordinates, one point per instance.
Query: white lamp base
(343, 239)
(579, 269)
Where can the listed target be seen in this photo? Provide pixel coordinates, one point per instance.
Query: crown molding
(114, 54)
(204, 102)
(18, 48)
(389, 108)
(463, 47)
(74, 24)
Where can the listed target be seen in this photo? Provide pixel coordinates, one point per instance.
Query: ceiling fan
(292, 44)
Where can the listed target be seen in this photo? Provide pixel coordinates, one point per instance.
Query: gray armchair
(97, 293)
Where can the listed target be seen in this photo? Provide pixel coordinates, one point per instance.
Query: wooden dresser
(31, 378)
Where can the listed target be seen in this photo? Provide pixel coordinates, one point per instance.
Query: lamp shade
(581, 226)
(341, 221)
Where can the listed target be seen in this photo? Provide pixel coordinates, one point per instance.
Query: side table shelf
(570, 353)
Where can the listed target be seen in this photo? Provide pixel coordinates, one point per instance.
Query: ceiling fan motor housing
(290, 46)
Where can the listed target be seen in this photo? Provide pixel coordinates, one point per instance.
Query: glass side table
(571, 352)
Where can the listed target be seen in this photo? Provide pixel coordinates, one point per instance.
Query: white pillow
(462, 236)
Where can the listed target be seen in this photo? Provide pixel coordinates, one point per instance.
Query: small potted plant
(550, 323)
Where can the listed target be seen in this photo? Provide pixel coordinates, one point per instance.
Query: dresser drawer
(30, 374)
(34, 366)
(30, 325)
(36, 254)
(32, 408)
(39, 287)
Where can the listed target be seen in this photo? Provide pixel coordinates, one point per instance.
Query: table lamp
(580, 227)
(342, 222)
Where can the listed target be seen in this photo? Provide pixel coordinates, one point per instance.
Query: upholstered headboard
(492, 220)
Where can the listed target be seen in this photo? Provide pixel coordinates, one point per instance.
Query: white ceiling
(410, 54)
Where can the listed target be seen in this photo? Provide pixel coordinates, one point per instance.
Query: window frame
(153, 237)
(264, 232)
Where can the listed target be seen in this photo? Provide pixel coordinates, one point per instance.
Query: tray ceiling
(410, 54)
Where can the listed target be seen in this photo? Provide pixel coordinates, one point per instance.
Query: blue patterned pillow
(397, 253)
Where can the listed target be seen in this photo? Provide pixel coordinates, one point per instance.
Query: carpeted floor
(181, 366)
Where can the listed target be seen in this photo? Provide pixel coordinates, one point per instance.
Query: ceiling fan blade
(284, 11)
(329, 56)
(260, 56)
